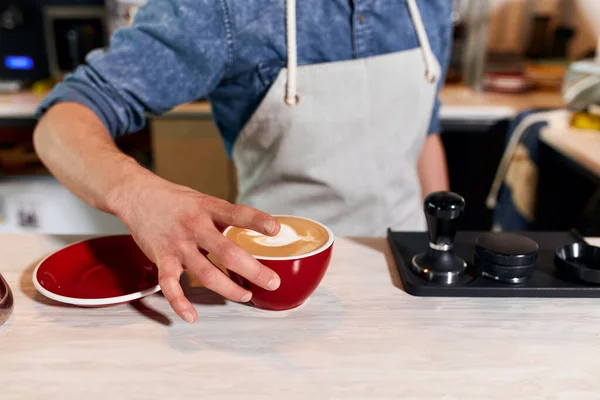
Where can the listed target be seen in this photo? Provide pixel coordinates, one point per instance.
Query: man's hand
(176, 227)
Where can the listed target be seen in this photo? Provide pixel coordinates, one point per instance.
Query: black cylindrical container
(505, 256)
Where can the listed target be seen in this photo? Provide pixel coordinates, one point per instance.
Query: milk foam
(287, 235)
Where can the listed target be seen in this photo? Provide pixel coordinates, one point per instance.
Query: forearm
(76, 147)
(432, 166)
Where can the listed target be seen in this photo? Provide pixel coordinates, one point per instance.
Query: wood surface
(455, 98)
(463, 96)
(190, 152)
(359, 337)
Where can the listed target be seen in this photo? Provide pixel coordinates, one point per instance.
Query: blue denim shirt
(231, 51)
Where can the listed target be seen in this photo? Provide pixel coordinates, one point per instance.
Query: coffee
(297, 236)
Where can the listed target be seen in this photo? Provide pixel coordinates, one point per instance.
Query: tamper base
(439, 267)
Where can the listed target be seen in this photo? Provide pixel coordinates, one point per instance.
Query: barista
(329, 110)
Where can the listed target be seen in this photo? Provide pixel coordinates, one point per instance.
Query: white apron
(342, 148)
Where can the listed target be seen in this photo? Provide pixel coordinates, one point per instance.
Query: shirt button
(361, 18)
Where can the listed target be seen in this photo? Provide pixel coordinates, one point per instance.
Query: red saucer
(97, 272)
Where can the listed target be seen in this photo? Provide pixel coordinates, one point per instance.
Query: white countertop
(359, 336)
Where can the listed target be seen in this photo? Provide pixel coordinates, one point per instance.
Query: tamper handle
(442, 210)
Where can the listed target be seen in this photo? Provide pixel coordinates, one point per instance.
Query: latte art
(287, 235)
(296, 236)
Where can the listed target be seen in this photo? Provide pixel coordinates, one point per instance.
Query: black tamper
(439, 264)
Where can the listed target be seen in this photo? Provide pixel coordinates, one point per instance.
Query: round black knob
(442, 210)
(445, 205)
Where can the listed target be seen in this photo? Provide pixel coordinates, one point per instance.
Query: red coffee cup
(300, 276)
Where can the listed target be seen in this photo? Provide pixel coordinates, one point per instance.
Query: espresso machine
(23, 56)
(581, 86)
(40, 39)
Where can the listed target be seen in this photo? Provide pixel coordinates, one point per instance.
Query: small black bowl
(580, 261)
(6, 301)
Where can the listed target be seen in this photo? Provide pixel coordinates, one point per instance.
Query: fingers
(244, 217)
(169, 273)
(214, 279)
(236, 259)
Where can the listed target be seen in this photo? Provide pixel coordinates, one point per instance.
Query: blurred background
(520, 116)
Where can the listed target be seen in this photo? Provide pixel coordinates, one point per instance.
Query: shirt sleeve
(171, 54)
(443, 49)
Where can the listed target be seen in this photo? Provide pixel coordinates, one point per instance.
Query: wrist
(127, 189)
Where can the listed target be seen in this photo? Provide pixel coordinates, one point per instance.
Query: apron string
(428, 56)
(291, 96)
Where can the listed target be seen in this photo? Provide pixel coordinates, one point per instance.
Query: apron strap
(431, 72)
(291, 96)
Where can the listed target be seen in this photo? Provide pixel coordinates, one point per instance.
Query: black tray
(545, 281)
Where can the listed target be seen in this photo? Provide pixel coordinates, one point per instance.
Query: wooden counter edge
(23, 105)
